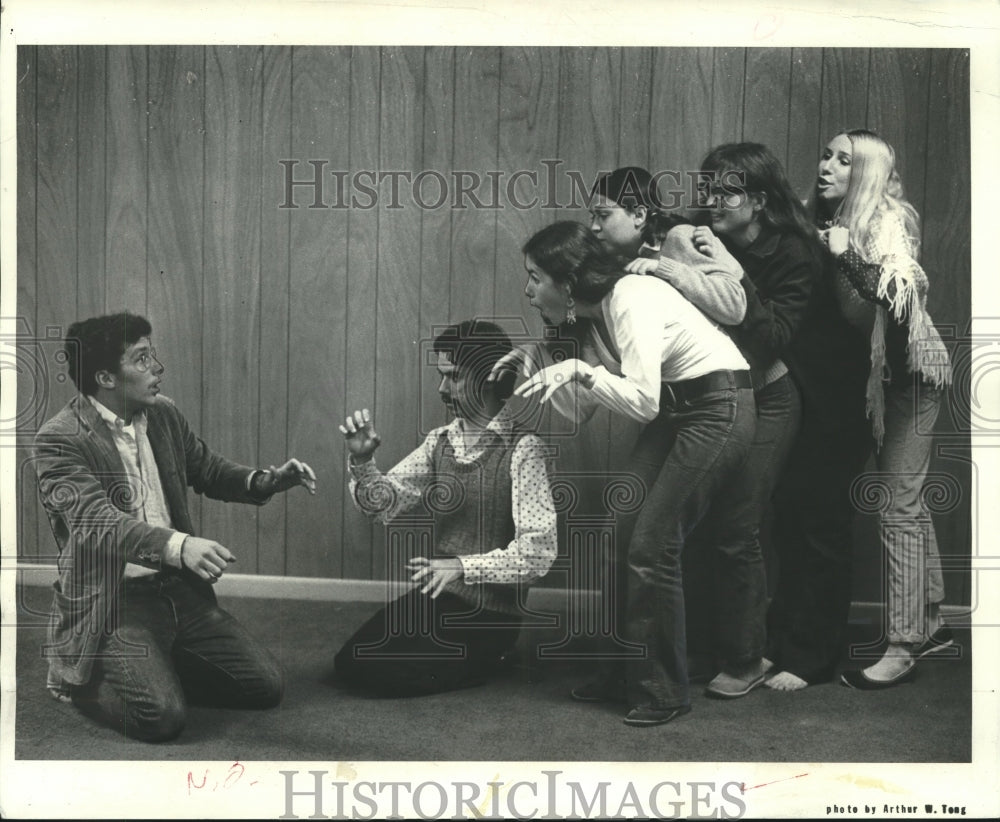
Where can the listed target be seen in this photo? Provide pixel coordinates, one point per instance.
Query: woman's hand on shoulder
(705, 242)
(642, 265)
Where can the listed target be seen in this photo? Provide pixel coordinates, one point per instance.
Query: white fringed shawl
(889, 246)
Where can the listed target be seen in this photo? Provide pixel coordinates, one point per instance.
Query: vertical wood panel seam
(104, 205)
(202, 240)
(451, 155)
(36, 273)
(34, 320)
(621, 93)
(788, 124)
(451, 218)
(32, 52)
(559, 93)
(288, 301)
(420, 241)
(76, 181)
(347, 261)
(824, 126)
(378, 261)
(378, 227)
(496, 167)
(868, 84)
(288, 308)
(927, 124)
(649, 110)
(817, 149)
(144, 109)
(743, 106)
(609, 427)
(260, 292)
(868, 97)
(204, 231)
(711, 101)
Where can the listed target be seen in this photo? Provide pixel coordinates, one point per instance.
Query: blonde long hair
(874, 186)
(875, 195)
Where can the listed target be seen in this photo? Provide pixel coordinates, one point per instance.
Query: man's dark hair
(475, 346)
(97, 344)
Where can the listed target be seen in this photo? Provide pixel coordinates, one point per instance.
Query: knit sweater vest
(472, 513)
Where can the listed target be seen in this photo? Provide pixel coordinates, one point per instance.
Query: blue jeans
(172, 645)
(908, 539)
(731, 533)
(684, 458)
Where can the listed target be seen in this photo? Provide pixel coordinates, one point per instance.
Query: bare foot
(786, 681)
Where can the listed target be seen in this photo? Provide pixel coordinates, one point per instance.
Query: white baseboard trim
(362, 590)
(303, 588)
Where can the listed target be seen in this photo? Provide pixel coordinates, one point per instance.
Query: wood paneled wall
(149, 178)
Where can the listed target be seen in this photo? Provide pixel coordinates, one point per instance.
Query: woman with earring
(650, 355)
(874, 238)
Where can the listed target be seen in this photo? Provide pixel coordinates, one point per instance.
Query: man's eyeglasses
(145, 360)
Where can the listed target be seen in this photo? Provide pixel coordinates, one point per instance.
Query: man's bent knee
(268, 686)
(273, 687)
(156, 723)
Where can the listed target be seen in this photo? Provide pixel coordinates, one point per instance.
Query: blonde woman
(873, 234)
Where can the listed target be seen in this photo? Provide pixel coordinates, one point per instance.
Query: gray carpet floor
(510, 718)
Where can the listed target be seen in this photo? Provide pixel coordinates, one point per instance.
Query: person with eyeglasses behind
(135, 628)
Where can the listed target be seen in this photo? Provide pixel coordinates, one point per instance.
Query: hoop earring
(570, 312)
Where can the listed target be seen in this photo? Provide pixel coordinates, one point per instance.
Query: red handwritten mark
(744, 788)
(234, 775)
(766, 26)
(235, 770)
(191, 783)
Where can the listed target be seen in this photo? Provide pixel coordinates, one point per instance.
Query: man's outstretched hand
(292, 473)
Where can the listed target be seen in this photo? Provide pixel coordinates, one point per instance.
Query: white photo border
(73, 789)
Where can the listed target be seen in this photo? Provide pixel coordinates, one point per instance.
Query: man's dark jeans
(171, 646)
